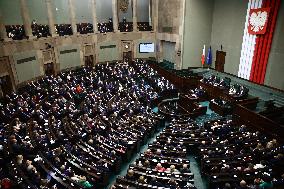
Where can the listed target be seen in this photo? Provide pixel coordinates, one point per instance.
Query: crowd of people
(75, 129)
(105, 27)
(163, 164)
(230, 156)
(40, 30)
(235, 90)
(238, 157)
(63, 29)
(16, 32)
(85, 28)
(125, 26)
(144, 26)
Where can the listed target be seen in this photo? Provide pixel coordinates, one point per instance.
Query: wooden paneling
(5, 70)
(242, 115)
(220, 61)
(47, 56)
(4, 66)
(88, 50)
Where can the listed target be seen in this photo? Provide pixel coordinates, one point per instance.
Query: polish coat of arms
(258, 20)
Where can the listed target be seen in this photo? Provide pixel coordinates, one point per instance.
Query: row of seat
(163, 165)
(74, 130)
(237, 153)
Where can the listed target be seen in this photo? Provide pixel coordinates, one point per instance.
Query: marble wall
(169, 16)
(171, 28)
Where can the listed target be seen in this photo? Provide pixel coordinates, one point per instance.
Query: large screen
(146, 47)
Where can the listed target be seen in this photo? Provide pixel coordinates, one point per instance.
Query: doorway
(49, 69)
(6, 85)
(127, 49)
(89, 61)
(127, 56)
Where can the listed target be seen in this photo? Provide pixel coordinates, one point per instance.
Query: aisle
(199, 182)
(143, 148)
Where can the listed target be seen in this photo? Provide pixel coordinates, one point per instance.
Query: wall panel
(38, 11)
(168, 51)
(69, 56)
(275, 66)
(11, 12)
(27, 66)
(61, 12)
(104, 10)
(108, 51)
(83, 11)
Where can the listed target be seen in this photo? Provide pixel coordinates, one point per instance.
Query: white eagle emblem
(257, 20)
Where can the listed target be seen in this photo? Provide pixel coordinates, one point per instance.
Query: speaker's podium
(220, 61)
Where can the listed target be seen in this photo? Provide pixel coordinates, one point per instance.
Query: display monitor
(146, 47)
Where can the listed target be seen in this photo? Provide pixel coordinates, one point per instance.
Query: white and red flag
(203, 56)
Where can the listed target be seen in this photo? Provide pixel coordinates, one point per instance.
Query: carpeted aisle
(199, 182)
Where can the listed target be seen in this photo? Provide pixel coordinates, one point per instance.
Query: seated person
(211, 79)
(234, 89)
(243, 92)
(243, 185)
(154, 182)
(266, 183)
(160, 168)
(130, 175)
(185, 169)
(147, 164)
(172, 169)
(142, 180)
(172, 183)
(83, 181)
(216, 81)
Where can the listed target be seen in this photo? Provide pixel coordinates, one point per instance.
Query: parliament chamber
(126, 94)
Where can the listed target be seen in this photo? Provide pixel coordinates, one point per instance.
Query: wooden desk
(243, 115)
(217, 92)
(181, 83)
(242, 108)
(223, 111)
